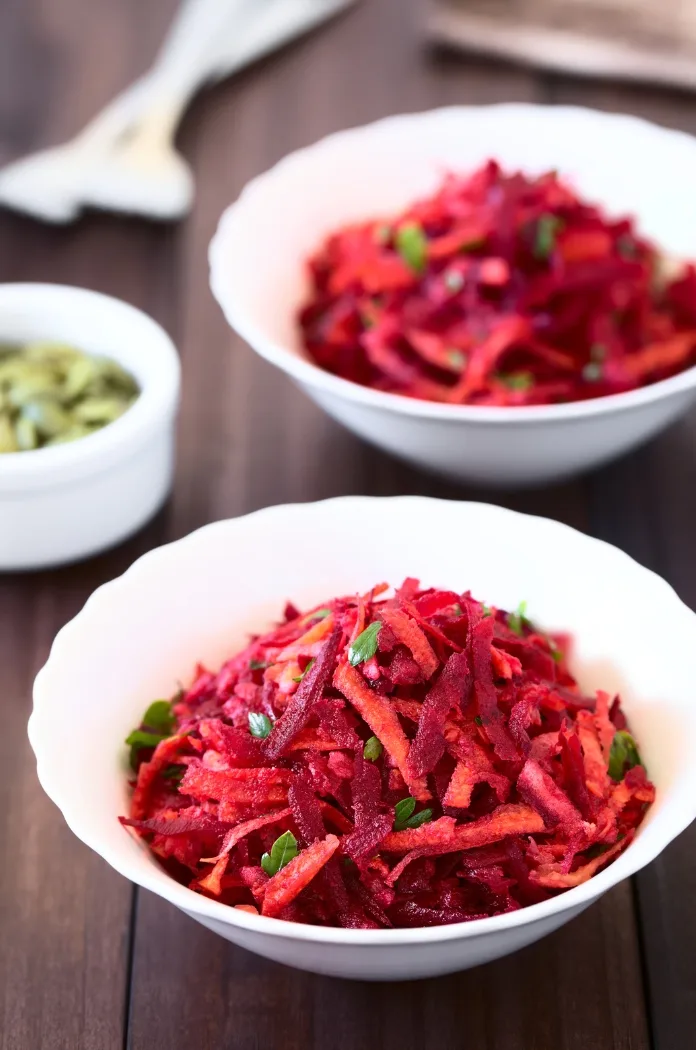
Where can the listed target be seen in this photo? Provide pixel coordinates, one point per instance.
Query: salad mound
(388, 761)
(501, 289)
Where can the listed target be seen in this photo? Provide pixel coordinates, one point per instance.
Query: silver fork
(125, 159)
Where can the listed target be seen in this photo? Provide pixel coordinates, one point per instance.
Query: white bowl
(258, 274)
(196, 600)
(69, 501)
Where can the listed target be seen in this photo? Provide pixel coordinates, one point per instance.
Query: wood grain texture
(71, 928)
(65, 916)
(536, 1000)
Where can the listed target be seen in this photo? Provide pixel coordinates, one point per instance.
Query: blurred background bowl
(258, 272)
(65, 502)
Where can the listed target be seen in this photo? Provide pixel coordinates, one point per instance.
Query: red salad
(501, 289)
(387, 762)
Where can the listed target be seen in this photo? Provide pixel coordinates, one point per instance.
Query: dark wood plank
(577, 989)
(671, 108)
(646, 504)
(64, 914)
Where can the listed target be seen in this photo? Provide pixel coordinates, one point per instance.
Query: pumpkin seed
(80, 373)
(26, 434)
(40, 384)
(71, 434)
(99, 410)
(44, 350)
(8, 441)
(48, 417)
(115, 376)
(12, 369)
(51, 393)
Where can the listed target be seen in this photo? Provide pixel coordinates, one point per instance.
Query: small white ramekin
(64, 503)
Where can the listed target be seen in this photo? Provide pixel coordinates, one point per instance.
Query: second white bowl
(67, 502)
(259, 253)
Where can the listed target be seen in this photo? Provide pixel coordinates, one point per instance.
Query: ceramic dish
(197, 599)
(259, 252)
(66, 502)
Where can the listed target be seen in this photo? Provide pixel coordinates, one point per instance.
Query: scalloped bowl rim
(635, 857)
(305, 371)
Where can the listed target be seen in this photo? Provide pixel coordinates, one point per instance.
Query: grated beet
(376, 762)
(500, 289)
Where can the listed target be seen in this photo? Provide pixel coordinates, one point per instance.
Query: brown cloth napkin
(648, 40)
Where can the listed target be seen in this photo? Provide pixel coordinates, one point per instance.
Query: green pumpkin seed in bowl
(51, 393)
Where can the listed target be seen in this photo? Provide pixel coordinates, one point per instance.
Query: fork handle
(197, 52)
(190, 53)
(188, 57)
(208, 40)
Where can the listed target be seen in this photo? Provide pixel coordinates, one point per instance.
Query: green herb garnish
(257, 665)
(372, 750)
(623, 754)
(545, 235)
(478, 720)
(159, 717)
(175, 773)
(424, 817)
(517, 380)
(365, 645)
(259, 725)
(299, 677)
(403, 811)
(412, 245)
(140, 738)
(517, 620)
(486, 611)
(592, 372)
(318, 614)
(283, 850)
(457, 359)
(157, 724)
(404, 816)
(556, 653)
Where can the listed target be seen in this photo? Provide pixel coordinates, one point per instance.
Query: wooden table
(88, 961)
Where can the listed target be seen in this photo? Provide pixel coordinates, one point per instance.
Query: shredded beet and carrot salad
(501, 289)
(384, 762)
